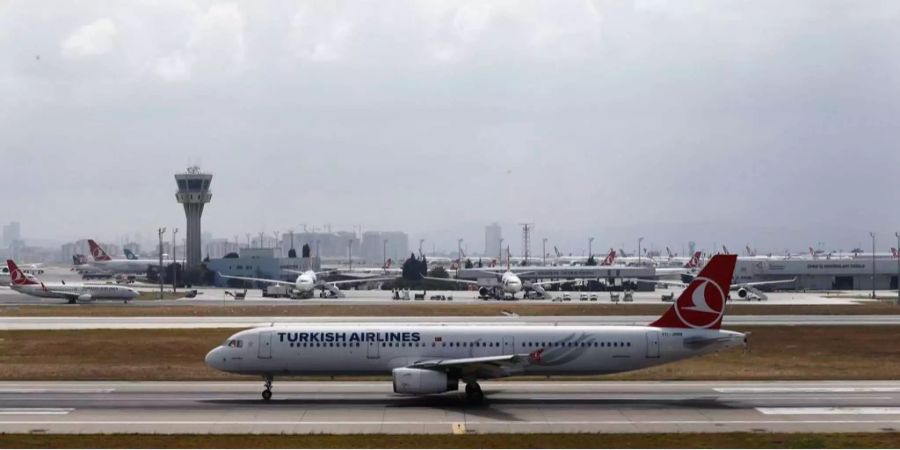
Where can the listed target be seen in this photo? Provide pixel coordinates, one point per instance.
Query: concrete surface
(513, 407)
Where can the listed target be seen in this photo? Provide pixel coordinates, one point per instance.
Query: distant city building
(218, 248)
(375, 250)
(493, 234)
(11, 232)
(332, 245)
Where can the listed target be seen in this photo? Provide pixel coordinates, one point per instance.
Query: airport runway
(513, 407)
(185, 322)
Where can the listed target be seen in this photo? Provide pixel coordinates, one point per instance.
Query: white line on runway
(807, 390)
(18, 411)
(442, 422)
(836, 410)
(54, 391)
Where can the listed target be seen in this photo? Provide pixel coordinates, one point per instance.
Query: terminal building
(260, 263)
(821, 274)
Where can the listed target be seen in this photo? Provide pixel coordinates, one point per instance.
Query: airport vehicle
(104, 263)
(73, 292)
(308, 281)
(428, 359)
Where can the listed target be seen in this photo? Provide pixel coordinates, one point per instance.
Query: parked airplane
(30, 270)
(308, 281)
(81, 293)
(433, 358)
(509, 282)
(105, 263)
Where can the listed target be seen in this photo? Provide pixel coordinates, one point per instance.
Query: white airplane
(105, 263)
(308, 281)
(433, 358)
(30, 270)
(743, 290)
(689, 266)
(508, 282)
(80, 293)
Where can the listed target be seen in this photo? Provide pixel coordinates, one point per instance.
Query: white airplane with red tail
(426, 359)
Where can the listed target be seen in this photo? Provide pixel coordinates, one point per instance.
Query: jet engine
(484, 292)
(84, 298)
(742, 293)
(422, 381)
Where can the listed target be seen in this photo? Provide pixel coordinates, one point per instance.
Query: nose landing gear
(267, 393)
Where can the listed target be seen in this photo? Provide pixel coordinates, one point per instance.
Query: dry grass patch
(776, 353)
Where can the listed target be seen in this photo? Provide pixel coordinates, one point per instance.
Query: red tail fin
(702, 304)
(16, 276)
(97, 252)
(693, 262)
(610, 258)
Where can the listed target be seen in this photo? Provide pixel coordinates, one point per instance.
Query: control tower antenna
(193, 193)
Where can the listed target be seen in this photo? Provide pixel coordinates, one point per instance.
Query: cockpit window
(234, 343)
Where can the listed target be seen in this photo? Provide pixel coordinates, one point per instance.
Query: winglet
(702, 303)
(97, 252)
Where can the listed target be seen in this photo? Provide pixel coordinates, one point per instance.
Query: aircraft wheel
(267, 394)
(474, 394)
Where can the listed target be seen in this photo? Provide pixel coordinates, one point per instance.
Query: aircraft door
(372, 351)
(509, 345)
(265, 345)
(653, 344)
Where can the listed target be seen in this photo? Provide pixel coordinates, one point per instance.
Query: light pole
(872, 233)
(459, 258)
(500, 253)
(161, 231)
(174, 260)
(421, 241)
(544, 251)
(384, 253)
(350, 254)
(640, 239)
(590, 247)
(898, 266)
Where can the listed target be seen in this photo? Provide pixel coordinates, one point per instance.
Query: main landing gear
(267, 393)
(474, 394)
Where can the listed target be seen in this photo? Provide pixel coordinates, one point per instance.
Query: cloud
(215, 43)
(94, 39)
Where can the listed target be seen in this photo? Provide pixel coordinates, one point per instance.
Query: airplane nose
(214, 358)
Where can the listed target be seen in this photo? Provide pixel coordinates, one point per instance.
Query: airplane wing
(734, 286)
(453, 280)
(547, 283)
(480, 367)
(261, 280)
(358, 280)
(765, 283)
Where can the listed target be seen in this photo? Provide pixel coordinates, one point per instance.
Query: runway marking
(54, 391)
(48, 411)
(834, 410)
(444, 422)
(805, 389)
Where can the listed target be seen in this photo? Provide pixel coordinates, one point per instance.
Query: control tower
(193, 193)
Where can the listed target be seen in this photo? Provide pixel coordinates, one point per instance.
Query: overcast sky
(606, 118)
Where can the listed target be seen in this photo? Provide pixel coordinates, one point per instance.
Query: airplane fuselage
(94, 292)
(378, 349)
